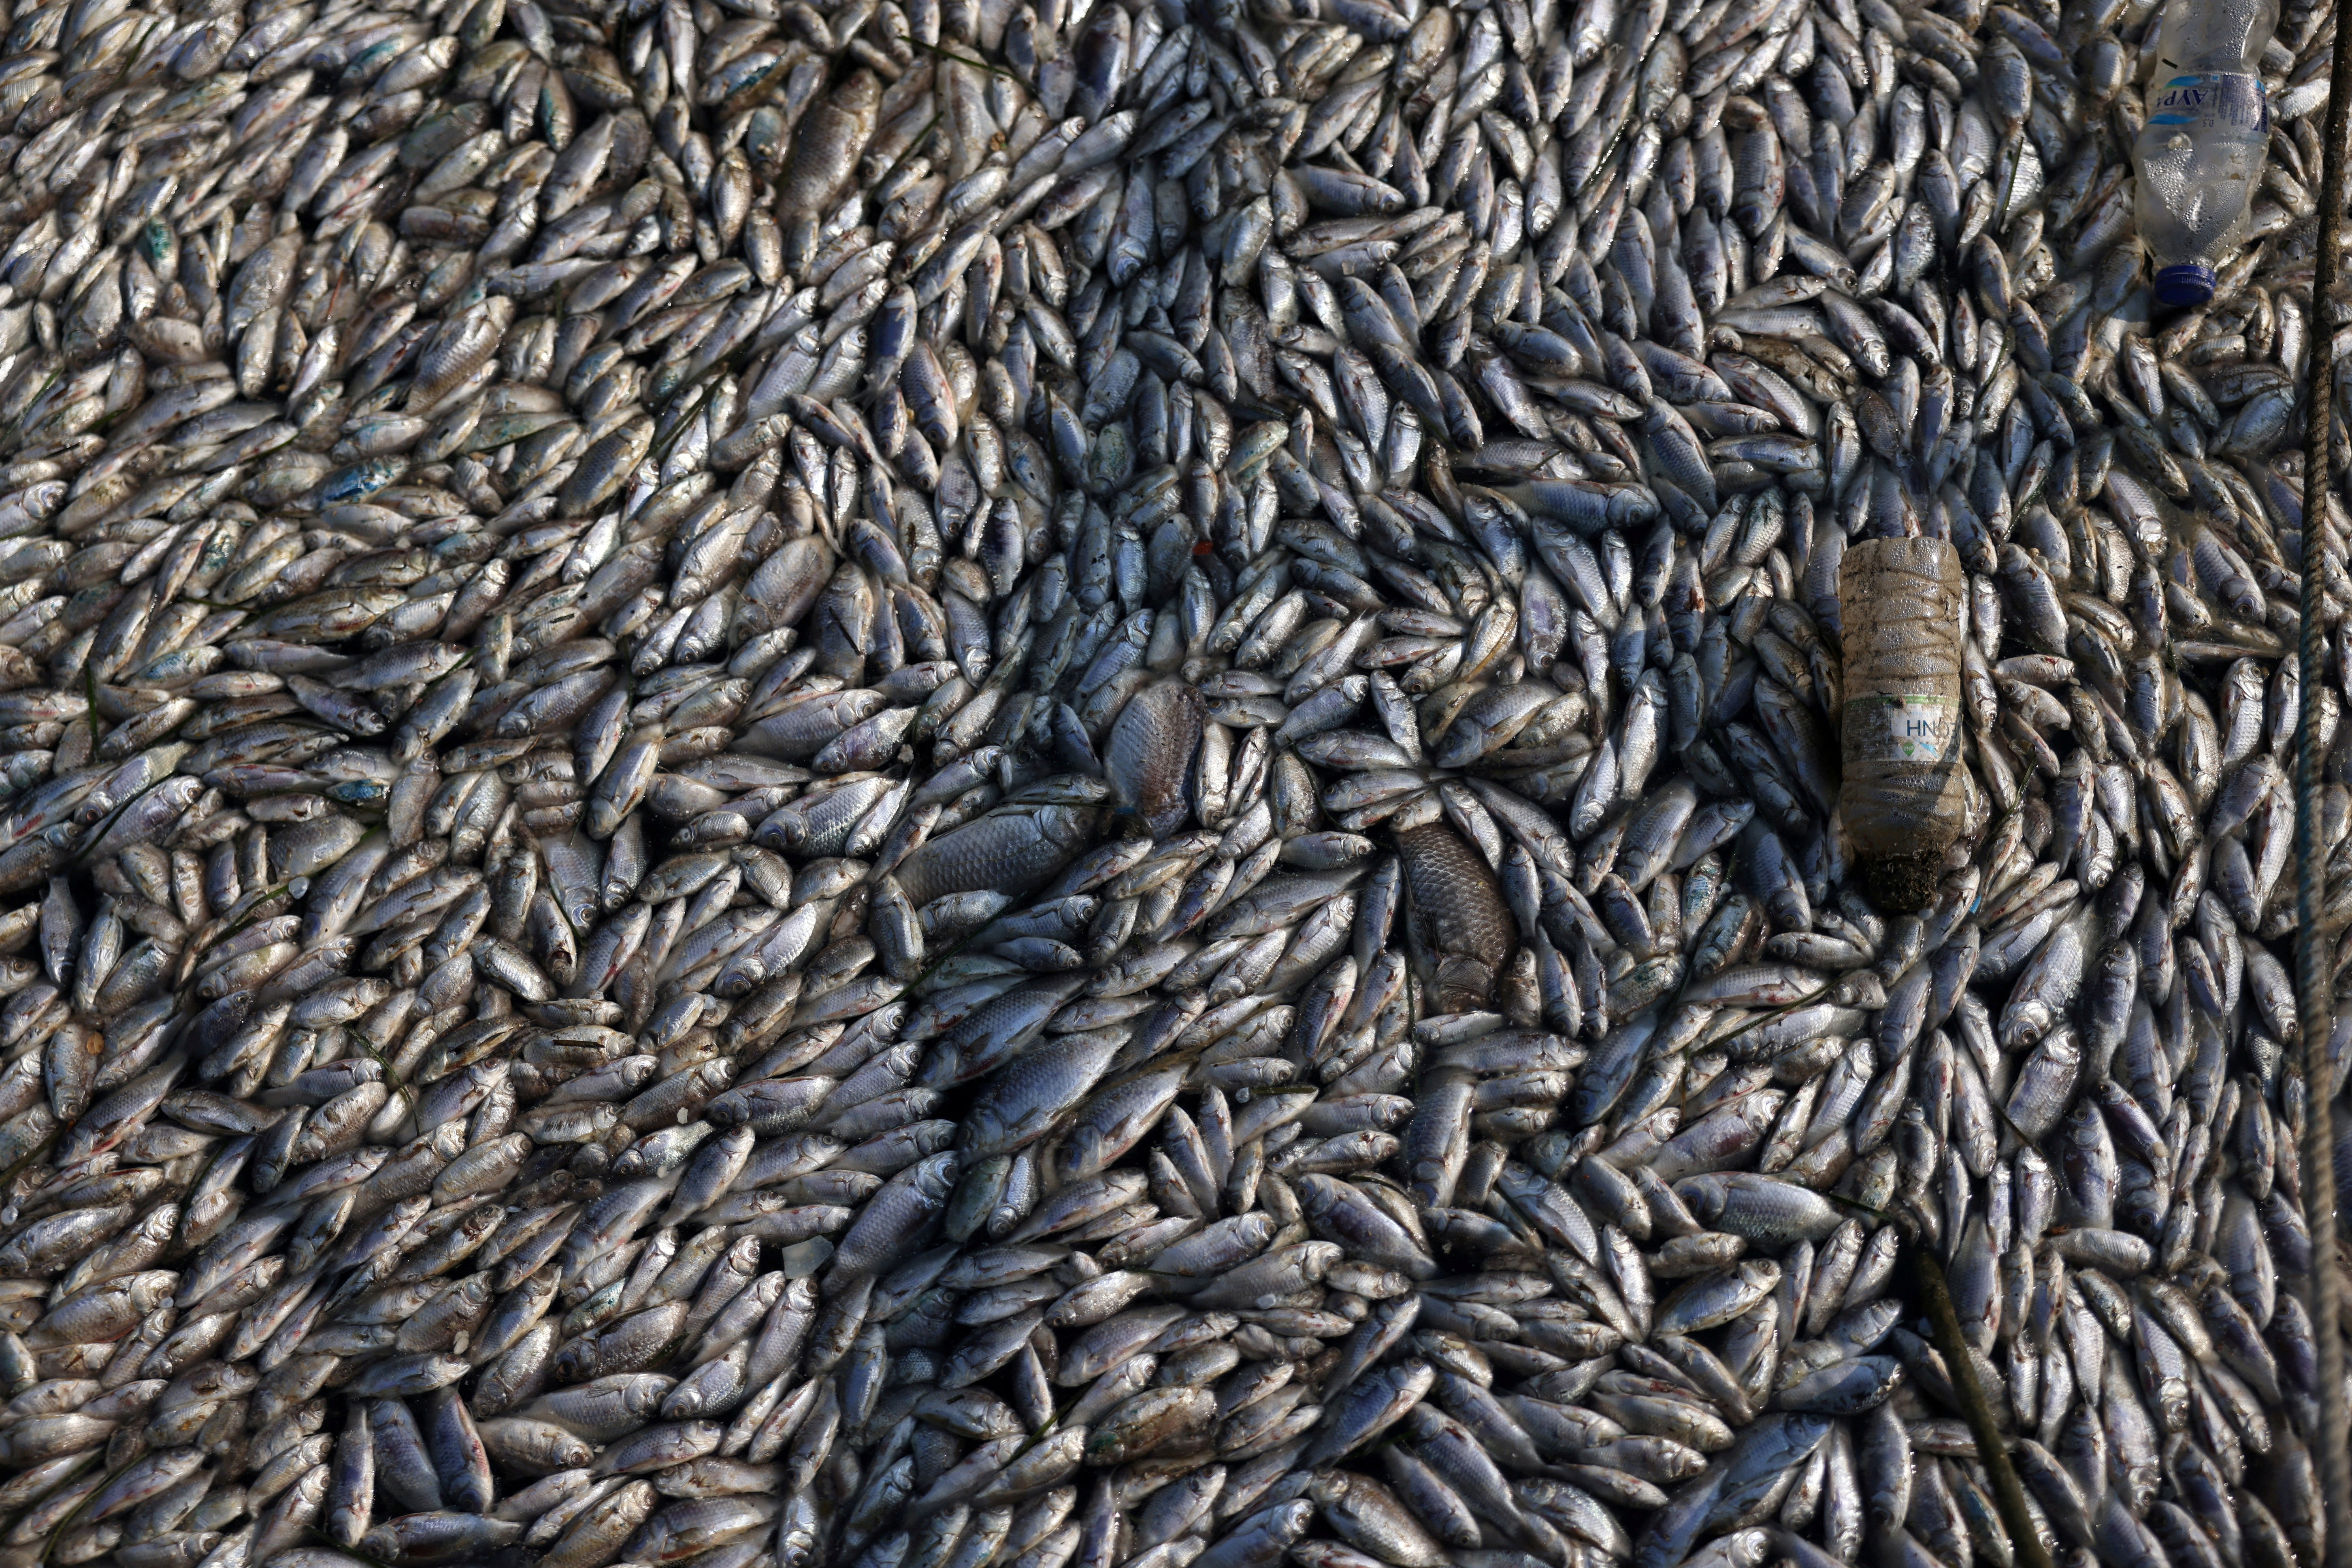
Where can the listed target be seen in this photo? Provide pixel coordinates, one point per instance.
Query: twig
(948, 54)
(2314, 1009)
(2008, 1492)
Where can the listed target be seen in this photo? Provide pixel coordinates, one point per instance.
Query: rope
(2313, 1002)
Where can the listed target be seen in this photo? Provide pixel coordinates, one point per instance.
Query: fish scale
(716, 719)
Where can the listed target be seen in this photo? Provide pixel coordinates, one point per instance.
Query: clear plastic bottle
(2201, 153)
(1904, 799)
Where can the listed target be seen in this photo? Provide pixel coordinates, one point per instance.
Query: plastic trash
(1904, 800)
(2201, 153)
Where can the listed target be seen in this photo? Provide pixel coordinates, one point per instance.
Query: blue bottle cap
(2185, 285)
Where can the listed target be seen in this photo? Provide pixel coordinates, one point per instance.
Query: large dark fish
(1461, 927)
(1011, 850)
(1149, 757)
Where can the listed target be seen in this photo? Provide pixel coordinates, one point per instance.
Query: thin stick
(2315, 1006)
(2008, 1491)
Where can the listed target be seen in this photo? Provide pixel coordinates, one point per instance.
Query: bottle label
(2212, 101)
(1911, 727)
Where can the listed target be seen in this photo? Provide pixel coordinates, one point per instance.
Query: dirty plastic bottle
(1904, 602)
(2202, 151)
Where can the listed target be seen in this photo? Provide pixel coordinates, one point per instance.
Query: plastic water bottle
(2202, 151)
(1904, 802)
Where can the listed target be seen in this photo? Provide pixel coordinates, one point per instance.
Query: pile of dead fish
(915, 784)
